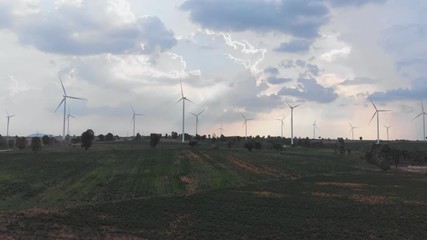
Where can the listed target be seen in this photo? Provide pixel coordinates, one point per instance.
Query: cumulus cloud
(294, 46)
(357, 81)
(277, 80)
(89, 27)
(298, 18)
(308, 89)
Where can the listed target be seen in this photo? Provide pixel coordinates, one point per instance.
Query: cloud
(358, 3)
(272, 70)
(275, 80)
(310, 90)
(90, 27)
(294, 17)
(294, 46)
(417, 91)
(357, 81)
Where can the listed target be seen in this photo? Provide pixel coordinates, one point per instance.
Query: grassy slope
(182, 193)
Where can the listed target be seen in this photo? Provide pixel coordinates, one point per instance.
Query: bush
(192, 143)
(36, 144)
(46, 140)
(21, 142)
(249, 146)
(154, 139)
(109, 137)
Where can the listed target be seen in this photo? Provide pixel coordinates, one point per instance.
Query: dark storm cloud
(417, 90)
(294, 46)
(298, 18)
(310, 90)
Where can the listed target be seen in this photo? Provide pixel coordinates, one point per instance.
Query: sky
(249, 56)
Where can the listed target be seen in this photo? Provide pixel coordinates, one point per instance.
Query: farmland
(131, 191)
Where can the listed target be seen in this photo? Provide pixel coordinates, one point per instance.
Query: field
(131, 191)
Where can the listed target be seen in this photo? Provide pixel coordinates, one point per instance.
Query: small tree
(36, 144)
(21, 142)
(174, 135)
(46, 140)
(154, 139)
(87, 138)
(109, 137)
(101, 137)
(138, 137)
(249, 146)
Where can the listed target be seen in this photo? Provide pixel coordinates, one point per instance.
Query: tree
(154, 139)
(138, 137)
(249, 146)
(21, 142)
(36, 144)
(192, 143)
(174, 135)
(101, 137)
(109, 137)
(87, 138)
(46, 140)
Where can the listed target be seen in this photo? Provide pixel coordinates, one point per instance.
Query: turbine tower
(292, 121)
(245, 123)
(282, 124)
(423, 113)
(377, 112)
(183, 99)
(387, 127)
(64, 101)
(134, 119)
(220, 130)
(314, 129)
(8, 120)
(352, 131)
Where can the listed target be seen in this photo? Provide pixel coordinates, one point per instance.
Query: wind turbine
(292, 121)
(423, 113)
(183, 99)
(282, 124)
(8, 120)
(220, 130)
(245, 123)
(352, 131)
(68, 125)
(64, 101)
(387, 127)
(314, 129)
(377, 112)
(134, 119)
(197, 118)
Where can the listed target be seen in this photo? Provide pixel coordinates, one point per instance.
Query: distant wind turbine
(197, 118)
(314, 129)
(8, 120)
(245, 123)
(387, 127)
(282, 124)
(292, 121)
(183, 99)
(423, 113)
(64, 101)
(352, 131)
(134, 119)
(68, 124)
(221, 129)
(377, 112)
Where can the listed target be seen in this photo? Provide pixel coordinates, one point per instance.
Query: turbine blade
(192, 114)
(133, 110)
(182, 91)
(373, 104)
(243, 116)
(76, 98)
(373, 117)
(201, 112)
(297, 105)
(422, 106)
(63, 88)
(60, 104)
(418, 116)
(284, 117)
(245, 122)
(179, 100)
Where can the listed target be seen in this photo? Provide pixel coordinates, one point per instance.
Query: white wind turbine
(68, 125)
(220, 130)
(8, 120)
(314, 129)
(245, 123)
(387, 127)
(377, 112)
(183, 99)
(282, 124)
(292, 121)
(134, 119)
(352, 131)
(64, 101)
(197, 118)
(423, 113)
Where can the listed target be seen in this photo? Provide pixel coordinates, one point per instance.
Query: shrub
(46, 140)
(21, 142)
(192, 143)
(36, 144)
(249, 146)
(87, 139)
(154, 139)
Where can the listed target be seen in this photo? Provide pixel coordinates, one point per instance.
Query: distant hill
(39, 135)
